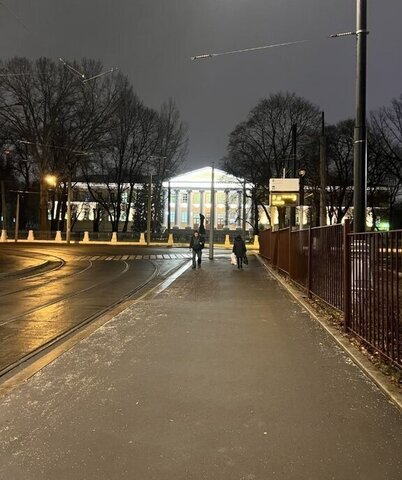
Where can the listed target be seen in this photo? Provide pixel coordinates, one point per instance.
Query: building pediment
(201, 179)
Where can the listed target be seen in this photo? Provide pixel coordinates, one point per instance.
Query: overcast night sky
(151, 41)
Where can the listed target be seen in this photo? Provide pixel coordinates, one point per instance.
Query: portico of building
(189, 195)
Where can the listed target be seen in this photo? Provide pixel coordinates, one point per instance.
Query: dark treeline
(260, 148)
(55, 121)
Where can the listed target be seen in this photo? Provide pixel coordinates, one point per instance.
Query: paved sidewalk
(221, 376)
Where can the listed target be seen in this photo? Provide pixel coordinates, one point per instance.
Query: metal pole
(169, 199)
(17, 218)
(3, 205)
(301, 203)
(323, 174)
(212, 215)
(360, 148)
(244, 208)
(294, 169)
(149, 210)
(68, 229)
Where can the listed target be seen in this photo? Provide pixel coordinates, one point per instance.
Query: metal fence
(374, 306)
(357, 274)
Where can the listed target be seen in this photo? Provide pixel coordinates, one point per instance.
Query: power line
(15, 16)
(264, 47)
(57, 147)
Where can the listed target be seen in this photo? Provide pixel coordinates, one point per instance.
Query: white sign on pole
(284, 185)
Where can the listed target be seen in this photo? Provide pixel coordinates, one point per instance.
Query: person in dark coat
(239, 249)
(196, 245)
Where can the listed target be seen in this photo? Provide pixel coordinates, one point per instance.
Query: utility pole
(212, 215)
(294, 171)
(169, 200)
(149, 210)
(3, 205)
(323, 174)
(244, 208)
(68, 229)
(360, 147)
(17, 218)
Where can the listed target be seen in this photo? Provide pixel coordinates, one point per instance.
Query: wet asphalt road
(45, 291)
(220, 376)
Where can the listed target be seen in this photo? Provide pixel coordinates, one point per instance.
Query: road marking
(165, 256)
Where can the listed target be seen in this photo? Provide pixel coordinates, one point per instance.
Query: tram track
(49, 280)
(80, 324)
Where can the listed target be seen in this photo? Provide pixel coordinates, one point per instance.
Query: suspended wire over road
(264, 47)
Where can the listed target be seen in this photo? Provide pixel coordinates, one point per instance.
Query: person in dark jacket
(196, 245)
(239, 249)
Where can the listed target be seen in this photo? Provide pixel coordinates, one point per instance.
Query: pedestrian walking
(239, 249)
(196, 245)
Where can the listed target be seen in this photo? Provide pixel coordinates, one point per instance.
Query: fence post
(309, 263)
(290, 252)
(347, 284)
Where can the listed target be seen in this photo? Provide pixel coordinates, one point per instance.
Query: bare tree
(260, 148)
(49, 107)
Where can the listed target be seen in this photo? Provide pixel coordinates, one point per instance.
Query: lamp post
(302, 173)
(68, 227)
(149, 210)
(17, 218)
(212, 215)
(169, 199)
(360, 137)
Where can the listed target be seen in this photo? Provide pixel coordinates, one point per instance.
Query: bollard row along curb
(114, 241)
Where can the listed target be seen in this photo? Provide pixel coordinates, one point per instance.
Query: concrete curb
(359, 359)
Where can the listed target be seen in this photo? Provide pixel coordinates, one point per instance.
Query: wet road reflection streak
(32, 330)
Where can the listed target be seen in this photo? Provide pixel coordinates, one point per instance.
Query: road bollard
(58, 237)
(3, 237)
(256, 244)
(227, 241)
(170, 240)
(114, 237)
(142, 239)
(86, 237)
(31, 237)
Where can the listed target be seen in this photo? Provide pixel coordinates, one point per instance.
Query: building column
(227, 208)
(239, 208)
(177, 209)
(189, 209)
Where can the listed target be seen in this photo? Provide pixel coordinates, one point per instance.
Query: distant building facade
(190, 196)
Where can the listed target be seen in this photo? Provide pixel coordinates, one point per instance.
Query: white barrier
(256, 244)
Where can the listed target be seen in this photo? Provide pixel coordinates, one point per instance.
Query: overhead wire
(263, 47)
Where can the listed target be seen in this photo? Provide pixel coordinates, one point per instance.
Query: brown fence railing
(375, 286)
(357, 274)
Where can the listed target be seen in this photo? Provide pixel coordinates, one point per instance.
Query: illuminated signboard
(285, 199)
